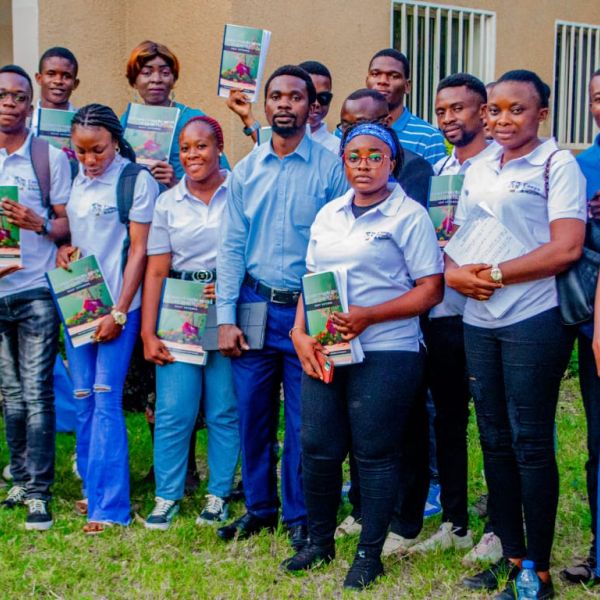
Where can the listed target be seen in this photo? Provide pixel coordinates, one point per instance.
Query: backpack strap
(547, 173)
(40, 160)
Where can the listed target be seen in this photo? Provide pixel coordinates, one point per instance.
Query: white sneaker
(396, 544)
(215, 511)
(349, 526)
(6, 474)
(162, 514)
(443, 539)
(489, 549)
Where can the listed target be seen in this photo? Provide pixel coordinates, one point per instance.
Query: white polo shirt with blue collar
(187, 228)
(38, 252)
(515, 193)
(95, 224)
(384, 252)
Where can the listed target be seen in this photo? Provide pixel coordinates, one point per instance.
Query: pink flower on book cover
(188, 329)
(4, 234)
(330, 326)
(151, 146)
(242, 69)
(92, 304)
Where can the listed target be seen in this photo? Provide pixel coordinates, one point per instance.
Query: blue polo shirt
(419, 137)
(589, 163)
(271, 205)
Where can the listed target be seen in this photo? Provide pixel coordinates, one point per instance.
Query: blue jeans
(258, 375)
(28, 345)
(514, 374)
(180, 390)
(98, 372)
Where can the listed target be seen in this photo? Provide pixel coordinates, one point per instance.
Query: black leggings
(365, 410)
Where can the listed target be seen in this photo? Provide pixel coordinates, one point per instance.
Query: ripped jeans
(514, 374)
(98, 372)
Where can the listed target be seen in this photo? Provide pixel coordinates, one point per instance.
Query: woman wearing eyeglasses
(387, 244)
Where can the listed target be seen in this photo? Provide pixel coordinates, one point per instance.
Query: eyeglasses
(324, 98)
(373, 159)
(344, 125)
(18, 97)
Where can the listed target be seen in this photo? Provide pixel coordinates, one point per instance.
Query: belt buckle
(279, 296)
(204, 276)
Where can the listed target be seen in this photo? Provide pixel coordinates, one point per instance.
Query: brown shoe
(81, 507)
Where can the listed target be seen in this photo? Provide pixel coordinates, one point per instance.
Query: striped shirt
(420, 137)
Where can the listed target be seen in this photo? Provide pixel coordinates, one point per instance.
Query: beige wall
(6, 40)
(341, 33)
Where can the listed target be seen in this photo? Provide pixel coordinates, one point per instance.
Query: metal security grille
(438, 41)
(576, 56)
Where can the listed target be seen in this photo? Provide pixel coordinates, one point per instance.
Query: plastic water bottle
(528, 583)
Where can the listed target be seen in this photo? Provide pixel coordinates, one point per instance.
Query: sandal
(96, 527)
(81, 507)
(583, 572)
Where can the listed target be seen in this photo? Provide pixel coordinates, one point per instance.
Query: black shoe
(39, 517)
(488, 579)
(246, 526)
(15, 497)
(309, 557)
(363, 572)
(583, 572)
(298, 535)
(545, 592)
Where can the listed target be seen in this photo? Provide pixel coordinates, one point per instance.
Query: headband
(376, 130)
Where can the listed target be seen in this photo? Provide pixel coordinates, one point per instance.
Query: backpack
(40, 161)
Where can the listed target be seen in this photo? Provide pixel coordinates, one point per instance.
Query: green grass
(190, 562)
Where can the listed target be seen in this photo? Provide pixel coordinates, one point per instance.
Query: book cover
(10, 245)
(243, 60)
(82, 298)
(444, 192)
(182, 320)
(321, 293)
(55, 127)
(150, 131)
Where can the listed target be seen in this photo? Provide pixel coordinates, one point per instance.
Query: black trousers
(365, 410)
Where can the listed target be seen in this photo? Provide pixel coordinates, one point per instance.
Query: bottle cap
(528, 564)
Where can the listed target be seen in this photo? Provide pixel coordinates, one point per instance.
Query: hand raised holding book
(66, 255)
(22, 216)
(164, 173)
(352, 323)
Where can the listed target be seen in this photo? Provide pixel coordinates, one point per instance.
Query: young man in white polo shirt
(28, 319)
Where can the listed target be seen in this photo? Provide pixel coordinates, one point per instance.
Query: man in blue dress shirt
(274, 195)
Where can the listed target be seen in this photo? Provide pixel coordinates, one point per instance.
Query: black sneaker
(16, 496)
(39, 517)
(545, 592)
(583, 572)
(309, 557)
(488, 579)
(363, 572)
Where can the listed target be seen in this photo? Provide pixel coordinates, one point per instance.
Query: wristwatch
(45, 227)
(119, 317)
(496, 274)
(250, 130)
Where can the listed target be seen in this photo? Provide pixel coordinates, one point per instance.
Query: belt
(274, 295)
(204, 276)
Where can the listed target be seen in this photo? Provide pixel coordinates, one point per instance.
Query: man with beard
(389, 74)
(274, 194)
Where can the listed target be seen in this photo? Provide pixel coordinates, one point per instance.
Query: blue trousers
(180, 389)
(28, 344)
(258, 375)
(98, 372)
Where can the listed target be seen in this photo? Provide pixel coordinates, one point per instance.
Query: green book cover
(10, 246)
(444, 192)
(55, 126)
(321, 294)
(82, 297)
(182, 320)
(243, 60)
(150, 130)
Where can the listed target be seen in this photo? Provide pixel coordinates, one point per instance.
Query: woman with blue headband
(386, 244)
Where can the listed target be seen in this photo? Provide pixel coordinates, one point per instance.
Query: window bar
(448, 42)
(427, 76)
(460, 67)
(471, 42)
(578, 87)
(417, 107)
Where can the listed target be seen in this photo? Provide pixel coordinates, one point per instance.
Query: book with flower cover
(150, 131)
(243, 58)
(324, 293)
(444, 192)
(82, 298)
(55, 127)
(10, 234)
(182, 320)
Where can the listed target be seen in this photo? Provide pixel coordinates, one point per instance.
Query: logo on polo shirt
(522, 187)
(102, 209)
(377, 235)
(27, 184)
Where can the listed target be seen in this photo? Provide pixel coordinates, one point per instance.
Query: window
(576, 57)
(441, 40)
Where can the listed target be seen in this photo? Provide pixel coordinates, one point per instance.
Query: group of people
(307, 201)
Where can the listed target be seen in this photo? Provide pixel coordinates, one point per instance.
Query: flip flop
(96, 527)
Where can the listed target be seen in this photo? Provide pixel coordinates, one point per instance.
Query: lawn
(190, 562)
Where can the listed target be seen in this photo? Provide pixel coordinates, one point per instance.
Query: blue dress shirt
(419, 137)
(271, 204)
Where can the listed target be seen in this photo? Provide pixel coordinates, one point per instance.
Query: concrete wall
(341, 33)
(6, 39)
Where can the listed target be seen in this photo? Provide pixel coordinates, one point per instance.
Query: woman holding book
(98, 370)
(386, 244)
(182, 245)
(517, 352)
(153, 71)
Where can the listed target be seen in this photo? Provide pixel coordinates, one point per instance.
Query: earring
(220, 154)
(117, 150)
(172, 97)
